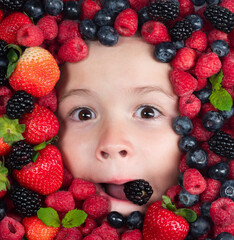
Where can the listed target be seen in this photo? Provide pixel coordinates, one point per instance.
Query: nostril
(104, 154)
(123, 153)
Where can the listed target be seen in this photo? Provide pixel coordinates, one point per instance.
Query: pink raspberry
(30, 35)
(10, 229)
(92, 237)
(229, 4)
(49, 27)
(219, 229)
(132, 235)
(196, 208)
(201, 83)
(212, 190)
(138, 4)
(186, 8)
(197, 41)
(182, 165)
(231, 170)
(68, 234)
(49, 101)
(215, 34)
(82, 189)
(5, 95)
(173, 193)
(206, 107)
(189, 106)
(89, 8)
(183, 82)
(53, 49)
(87, 227)
(193, 181)
(67, 178)
(126, 22)
(212, 157)
(105, 231)
(96, 206)
(73, 50)
(228, 72)
(222, 211)
(59, 17)
(155, 32)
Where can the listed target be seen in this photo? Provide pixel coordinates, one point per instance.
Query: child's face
(116, 109)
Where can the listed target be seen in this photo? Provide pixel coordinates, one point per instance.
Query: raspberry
(155, 32)
(53, 49)
(126, 22)
(183, 82)
(193, 181)
(222, 211)
(73, 50)
(220, 229)
(185, 59)
(68, 234)
(62, 201)
(49, 27)
(173, 193)
(201, 83)
(231, 38)
(197, 41)
(208, 65)
(231, 170)
(138, 4)
(67, 178)
(93, 237)
(88, 226)
(10, 229)
(212, 157)
(189, 106)
(207, 107)
(183, 166)
(96, 206)
(82, 189)
(132, 235)
(229, 4)
(5, 95)
(228, 72)
(30, 35)
(89, 8)
(105, 231)
(217, 35)
(186, 8)
(212, 190)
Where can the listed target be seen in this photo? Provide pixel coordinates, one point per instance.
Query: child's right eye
(82, 114)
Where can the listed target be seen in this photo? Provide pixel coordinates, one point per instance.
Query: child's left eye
(147, 112)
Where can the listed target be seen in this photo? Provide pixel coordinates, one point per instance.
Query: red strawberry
(1, 15)
(44, 176)
(11, 24)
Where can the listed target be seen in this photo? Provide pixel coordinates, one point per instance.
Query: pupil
(84, 115)
(147, 113)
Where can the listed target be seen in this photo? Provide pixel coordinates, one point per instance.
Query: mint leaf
(49, 216)
(221, 100)
(216, 80)
(188, 214)
(74, 218)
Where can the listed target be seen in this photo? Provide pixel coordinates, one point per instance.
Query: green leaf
(40, 146)
(74, 218)
(221, 100)
(35, 156)
(166, 199)
(15, 47)
(49, 216)
(216, 80)
(188, 214)
(10, 69)
(3, 186)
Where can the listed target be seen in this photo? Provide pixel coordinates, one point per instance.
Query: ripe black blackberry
(20, 155)
(138, 191)
(181, 30)
(222, 144)
(19, 104)
(14, 5)
(3, 49)
(163, 10)
(3, 78)
(26, 202)
(220, 18)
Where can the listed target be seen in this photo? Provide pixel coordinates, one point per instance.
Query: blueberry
(189, 237)
(3, 209)
(211, 2)
(227, 189)
(135, 220)
(187, 143)
(196, 22)
(199, 227)
(180, 179)
(71, 10)
(53, 7)
(179, 44)
(116, 219)
(198, 2)
(108, 36)
(203, 95)
(187, 199)
(4, 62)
(182, 125)
(212, 121)
(205, 209)
(227, 114)
(88, 29)
(219, 171)
(220, 47)
(116, 6)
(104, 17)
(225, 236)
(164, 52)
(34, 9)
(197, 158)
(143, 16)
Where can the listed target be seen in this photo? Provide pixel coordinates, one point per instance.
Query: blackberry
(181, 30)
(220, 18)
(3, 78)
(15, 5)
(3, 49)
(21, 154)
(138, 191)
(222, 144)
(163, 10)
(26, 202)
(19, 104)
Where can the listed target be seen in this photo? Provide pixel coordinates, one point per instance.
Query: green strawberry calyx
(188, 214)
(4, 182)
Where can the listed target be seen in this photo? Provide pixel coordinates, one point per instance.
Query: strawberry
(11, 24)
(4, 147)
(44, 176)
(36, 72)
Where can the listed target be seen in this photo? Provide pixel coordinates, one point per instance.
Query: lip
(117, 181)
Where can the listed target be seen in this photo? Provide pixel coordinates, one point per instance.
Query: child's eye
(147, 112)
(82, 114)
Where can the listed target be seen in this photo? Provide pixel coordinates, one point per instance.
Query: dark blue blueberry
(143, 16)
(197, 158)
(182, 125)
(205, 209)
(220, 47)
(116, 6)
(71, 10)
(196, 22)
(4, 62)
(179, 44)
(212, 121)
(53, 7)
(34, 9)
(219, 171)
(104, 17)
(199, 227)
(227, 114)
(211, 2)
(180, 179)
(3, 209)
(108, 36)
(164, 52)
(187, 199)
(135, 220)
(225, 236)
(198, 2)
(227, 189)
(187, 143)
(189, 237)
(116, 219)
(88, 29)
(203, 95)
